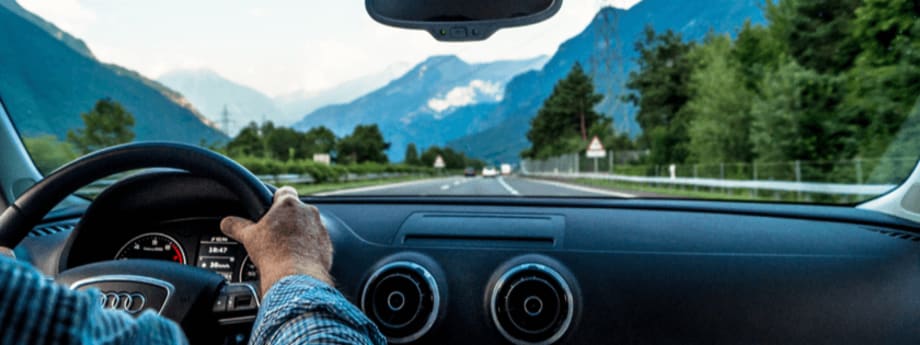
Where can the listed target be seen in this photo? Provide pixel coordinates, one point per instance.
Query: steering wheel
(186, 294)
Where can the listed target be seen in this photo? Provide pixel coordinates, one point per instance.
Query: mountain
(210, 93)
(606, 49)
(296, 104)
(48, 78)
(438, 100)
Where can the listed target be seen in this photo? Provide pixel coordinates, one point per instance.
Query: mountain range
(438, 100)
(606, 49)
(295, 104)
(492, 116)
(211, 93)
(48, 78)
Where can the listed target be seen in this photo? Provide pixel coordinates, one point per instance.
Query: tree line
(822, 80)
(265, 147)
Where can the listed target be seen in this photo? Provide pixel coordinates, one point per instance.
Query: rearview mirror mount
(461, 20)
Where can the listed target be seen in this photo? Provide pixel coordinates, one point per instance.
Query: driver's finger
(285, 191)
(233, 227)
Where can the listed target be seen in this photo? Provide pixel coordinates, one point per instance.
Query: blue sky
(282, 46)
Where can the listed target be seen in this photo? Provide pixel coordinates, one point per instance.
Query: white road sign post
(596, 150)
(439, 162)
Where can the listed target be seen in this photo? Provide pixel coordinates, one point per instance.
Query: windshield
(811, 101)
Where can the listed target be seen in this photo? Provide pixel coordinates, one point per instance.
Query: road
(500, 186)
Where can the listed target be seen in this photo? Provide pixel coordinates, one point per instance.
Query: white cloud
(476, 92)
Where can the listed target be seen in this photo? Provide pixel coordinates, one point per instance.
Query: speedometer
(154, 245)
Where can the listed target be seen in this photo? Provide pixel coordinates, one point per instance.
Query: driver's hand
(289, 240)
(7, 252)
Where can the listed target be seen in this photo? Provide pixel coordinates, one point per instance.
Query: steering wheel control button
(531, 303)
(220, 304)
(236, 298)
(402, 299)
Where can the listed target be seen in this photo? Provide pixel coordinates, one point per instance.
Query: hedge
(325, 173)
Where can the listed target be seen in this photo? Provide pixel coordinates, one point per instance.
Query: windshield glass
(812, 101)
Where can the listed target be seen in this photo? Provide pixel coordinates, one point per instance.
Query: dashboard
(544, 271)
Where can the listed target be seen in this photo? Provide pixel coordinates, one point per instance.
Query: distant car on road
(469, 172)
(506, 169)
(489, 172)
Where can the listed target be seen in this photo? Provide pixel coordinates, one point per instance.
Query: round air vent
(532, 304)
(402, 299)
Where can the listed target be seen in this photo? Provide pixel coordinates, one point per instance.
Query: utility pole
(225, 120)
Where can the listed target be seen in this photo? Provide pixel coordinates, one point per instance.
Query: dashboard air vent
(51, 229)
(532, 304)
(898, 234)
(402, 299)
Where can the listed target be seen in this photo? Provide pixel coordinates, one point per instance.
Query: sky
(283, 46)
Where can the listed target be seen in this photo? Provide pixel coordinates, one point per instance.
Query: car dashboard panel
(587, 272)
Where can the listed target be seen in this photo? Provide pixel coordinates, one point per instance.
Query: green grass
(307, 189)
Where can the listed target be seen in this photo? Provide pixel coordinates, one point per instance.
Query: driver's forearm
(34, 310)
(303, 310)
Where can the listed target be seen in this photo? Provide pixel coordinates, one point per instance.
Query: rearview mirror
(461, 20)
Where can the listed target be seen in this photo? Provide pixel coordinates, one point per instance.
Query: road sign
(322, 158)
(439, 162)
(596, 149)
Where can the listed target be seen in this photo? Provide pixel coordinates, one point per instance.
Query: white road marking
(583, 188)
(445, 187)
(457, 183)
(508, 188)
(375, 188)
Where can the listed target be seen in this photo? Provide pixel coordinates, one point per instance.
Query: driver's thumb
(233, 227)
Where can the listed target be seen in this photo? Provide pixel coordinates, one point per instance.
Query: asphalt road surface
(499, 186)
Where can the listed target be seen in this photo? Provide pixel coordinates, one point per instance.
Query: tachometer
(248, 271)
(154, 245)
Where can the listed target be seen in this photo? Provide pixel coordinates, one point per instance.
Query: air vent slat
(898, 234)
(51, 229)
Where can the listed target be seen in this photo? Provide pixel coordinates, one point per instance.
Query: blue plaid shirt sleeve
(303, 310)
(297, 310)
(35, 310)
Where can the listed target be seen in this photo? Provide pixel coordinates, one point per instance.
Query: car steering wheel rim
(30, 207)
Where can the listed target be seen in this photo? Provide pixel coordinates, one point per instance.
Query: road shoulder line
(501, 180)
(581, 188)
(378, 187)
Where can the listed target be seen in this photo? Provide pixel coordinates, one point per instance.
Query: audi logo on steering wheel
(129, 302)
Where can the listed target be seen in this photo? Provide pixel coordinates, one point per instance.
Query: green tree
(660, 89)
(107, 124)
(720, 105)
(283, 143)
(319, 140)
(248, 142)
(817, 34)
(49, 153)
(364, 144)
(885, 82)
(411, 155)
(797, 117)
(562, 125)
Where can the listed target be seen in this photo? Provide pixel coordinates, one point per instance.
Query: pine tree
(563, 123)
(411, 155)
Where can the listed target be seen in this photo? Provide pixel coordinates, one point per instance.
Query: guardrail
(784, 186)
